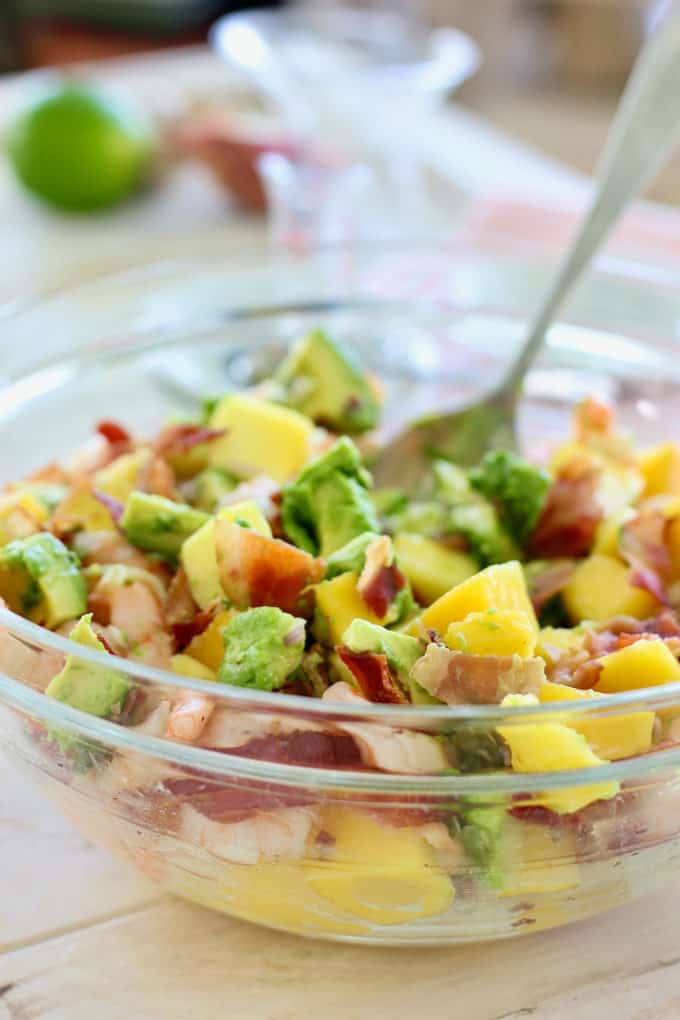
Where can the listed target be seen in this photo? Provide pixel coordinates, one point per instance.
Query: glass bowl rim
(644, 273)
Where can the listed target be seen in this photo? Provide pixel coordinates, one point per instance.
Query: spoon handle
(641, 137)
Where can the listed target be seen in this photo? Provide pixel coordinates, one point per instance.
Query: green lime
(81, 150)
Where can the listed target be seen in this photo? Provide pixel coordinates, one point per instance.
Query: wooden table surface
(83, 938)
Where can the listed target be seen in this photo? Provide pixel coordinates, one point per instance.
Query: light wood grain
(172, 959)
(50, 878)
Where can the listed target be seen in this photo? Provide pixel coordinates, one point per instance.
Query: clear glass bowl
(299, 814)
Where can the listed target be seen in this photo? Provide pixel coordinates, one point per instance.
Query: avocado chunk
(516, 488)
(351, 556)
(454, 507)
(262, 647)
(90, 688)
(41, 579)
(324, 381)
(400, 650)
(160, 525)
(211, 486)
(481, 830)
(329, 504)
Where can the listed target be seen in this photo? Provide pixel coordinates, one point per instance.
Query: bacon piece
(550, 582)
(114, 506)
(260, 571)
(458, 678)
(380, 580)
(174, 440)
(586, 675)
(372, 673)
(304, 747)
(114, 433)
(185, 631)
(644, 548)
(571, 514)
(234, 801)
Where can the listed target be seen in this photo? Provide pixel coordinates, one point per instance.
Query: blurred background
(309, 124)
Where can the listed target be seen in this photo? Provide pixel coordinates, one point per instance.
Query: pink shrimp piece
(189, 715)
(386, 748)
(135, 610)
(278, 835)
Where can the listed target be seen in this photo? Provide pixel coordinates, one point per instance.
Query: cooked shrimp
(109, 547)
(278, 835)
(135, 609)
(227, 727)
(389, 750)
(189, 715)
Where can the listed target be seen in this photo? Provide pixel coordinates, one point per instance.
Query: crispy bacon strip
(177, 439)
(550, 582)
(644, 548)
(458, 678)
(260, 571)
(372, 673)
(570, 515)
(380, 580)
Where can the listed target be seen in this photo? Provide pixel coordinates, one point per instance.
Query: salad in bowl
(342, 710)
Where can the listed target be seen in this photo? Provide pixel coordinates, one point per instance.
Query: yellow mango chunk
(272, 894)
(501, 586)
(261, 438)
(380, 873)
(609, 737)
(208, 647)
(673, 545)
(552, 747)
(556, 642)
(186, 665)
(21, 514)
(430, 567)
(600, 588)
(608, 532)
(81, 509)
(494, 632)
(119, 479)
(545, 865)
(642, 664)
(199, 554)
(339, 603)
(660, 467)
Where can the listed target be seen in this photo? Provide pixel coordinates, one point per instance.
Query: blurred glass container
(350, 80)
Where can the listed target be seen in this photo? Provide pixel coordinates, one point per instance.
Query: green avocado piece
(90, 688)
(517, 488)
(400, 650)
(329, 504)
(482, 826)
(211, 486)
(160, 525)
(351, 556)
(41, 579)
(262, 647)
(324, 381)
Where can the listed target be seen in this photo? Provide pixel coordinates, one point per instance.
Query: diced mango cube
(381, 873)
(610, 737)
(430, 567)
(660, 467)
(119, 479)
(494, 632)
(642, 664)
(208, 647)
(501, 586)
(556, 642)
(600, 588)
(608, 533)
(186, 665)
(551, 747)
(261, 438)
(339, 603)
(673, 545)
(539, 863)
(199, 553)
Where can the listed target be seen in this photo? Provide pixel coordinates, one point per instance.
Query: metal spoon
(643, 132)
